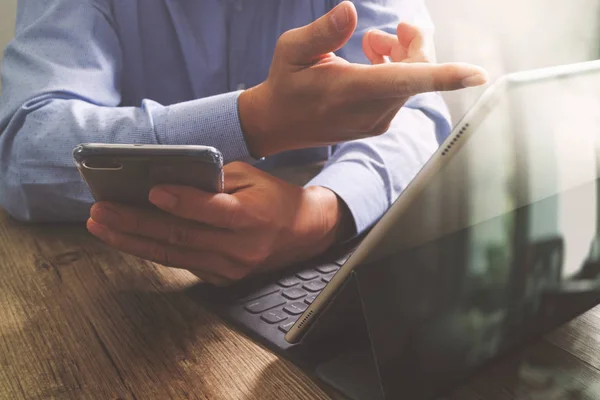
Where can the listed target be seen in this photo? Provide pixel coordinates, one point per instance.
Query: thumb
(327, 34)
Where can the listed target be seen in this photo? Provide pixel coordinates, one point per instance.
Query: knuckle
(136, 223)
(265, 250)
(284, 43)
(420, 56)
(449, 77)
(233, 214)
(112, 240)
(256, 254)
(235, 274)
(159, 254)
(262, 221)
(451, 70)
(179, 236)
(318, 32)
(285, 38)
(249, 259)
(256, 258)
(132, 224)
(403, 85)
(412, 85)
(237, 166)
(323, 108)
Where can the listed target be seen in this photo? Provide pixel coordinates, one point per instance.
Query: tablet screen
(524, 187)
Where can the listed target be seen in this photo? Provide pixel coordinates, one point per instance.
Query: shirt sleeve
(61, 79)
(369, 174)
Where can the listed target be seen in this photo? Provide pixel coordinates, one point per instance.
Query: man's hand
(314, 98)
(260, 222)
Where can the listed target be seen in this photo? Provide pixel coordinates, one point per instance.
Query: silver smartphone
(125, 173)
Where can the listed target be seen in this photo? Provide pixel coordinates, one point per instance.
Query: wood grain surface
(81, 321)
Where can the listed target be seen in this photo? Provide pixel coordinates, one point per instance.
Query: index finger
(215, 209)
(408, 79)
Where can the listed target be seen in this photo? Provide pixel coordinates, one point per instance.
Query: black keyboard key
(314, 286)
(294, 293)
(308, 274)
(327, 278)
(287, 325)
(327, 268)
(274, 316)
(262, 292)
(265, 303)
(288, 281)
(310, 299)
(295, 308)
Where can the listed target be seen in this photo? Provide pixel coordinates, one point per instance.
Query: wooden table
(81, 321)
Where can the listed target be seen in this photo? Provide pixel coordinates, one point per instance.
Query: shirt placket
(236, 76)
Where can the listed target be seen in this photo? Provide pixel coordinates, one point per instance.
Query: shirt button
(241, 86)
(238, 5)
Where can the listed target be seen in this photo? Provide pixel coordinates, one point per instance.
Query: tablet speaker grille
(456, 139)
(304, 319)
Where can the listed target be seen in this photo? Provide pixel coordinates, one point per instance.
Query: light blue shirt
(170, 72)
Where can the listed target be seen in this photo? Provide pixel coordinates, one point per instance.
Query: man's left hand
(260, 222)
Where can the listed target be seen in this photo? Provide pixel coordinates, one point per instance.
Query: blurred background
(512, 35)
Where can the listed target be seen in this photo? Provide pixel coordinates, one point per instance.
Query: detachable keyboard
(284, 301)
(268, 305)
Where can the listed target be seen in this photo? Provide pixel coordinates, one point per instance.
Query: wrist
(338, 223)
(255, 122)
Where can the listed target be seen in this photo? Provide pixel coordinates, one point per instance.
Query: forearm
(39, 179)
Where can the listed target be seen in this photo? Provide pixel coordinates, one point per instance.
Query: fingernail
(163, 199)
(474, 80)
(106, 216)
(95, 228)
(340, 18)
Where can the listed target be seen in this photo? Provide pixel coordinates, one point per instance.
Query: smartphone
(125, 173)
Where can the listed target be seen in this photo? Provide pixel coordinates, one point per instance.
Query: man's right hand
(314, 98)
